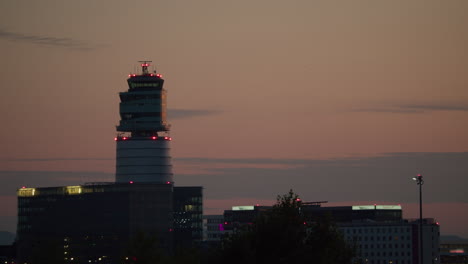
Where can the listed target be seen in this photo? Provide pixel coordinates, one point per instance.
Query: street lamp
(419, 180)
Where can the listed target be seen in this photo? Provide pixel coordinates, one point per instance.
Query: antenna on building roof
(144, 67)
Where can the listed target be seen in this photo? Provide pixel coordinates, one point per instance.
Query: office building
(378, 232)
(213, 228)
(394, 242)
(91, 222)
(454, 251)
(188, 212)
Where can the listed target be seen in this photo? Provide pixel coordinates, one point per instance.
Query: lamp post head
(419, 179)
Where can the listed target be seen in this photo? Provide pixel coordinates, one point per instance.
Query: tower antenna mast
(144, 66)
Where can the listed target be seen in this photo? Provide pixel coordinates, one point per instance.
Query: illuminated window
(72, 190)
(26, 192)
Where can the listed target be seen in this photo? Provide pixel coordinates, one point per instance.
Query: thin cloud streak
(54, 159)
(190, 113)
(414, 108)
(48, 41)
(386, 177)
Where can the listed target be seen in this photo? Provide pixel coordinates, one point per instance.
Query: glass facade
(188, 212)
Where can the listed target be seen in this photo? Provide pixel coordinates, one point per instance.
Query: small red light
(168, 182)
(170, 229)
(115, 139)
(151, 74)
(305, 223)
(437, 223)
(24, 187)
(124, 138)
(131, 182)
(225, 223)
(129, 75)
(170, 139)
(154, 138)
(158, 75)
(166, 138)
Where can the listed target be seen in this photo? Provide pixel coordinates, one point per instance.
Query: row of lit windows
(190, 207)
(135, 85)
(135, 96)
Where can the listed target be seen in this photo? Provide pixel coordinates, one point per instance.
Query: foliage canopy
(283, 235)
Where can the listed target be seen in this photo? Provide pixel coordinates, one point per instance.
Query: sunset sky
(342, 101)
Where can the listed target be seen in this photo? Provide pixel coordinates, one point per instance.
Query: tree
(143, 249)
(282, 235)
(48, 250)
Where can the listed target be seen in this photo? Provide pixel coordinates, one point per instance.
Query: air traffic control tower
(97, 222)
(143, 141)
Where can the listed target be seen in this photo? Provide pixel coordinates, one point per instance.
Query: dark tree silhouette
(143, 249)
(48, 251)
(282, 235)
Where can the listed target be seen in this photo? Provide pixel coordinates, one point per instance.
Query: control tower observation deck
(143, 142)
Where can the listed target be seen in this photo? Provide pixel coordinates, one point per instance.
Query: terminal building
(97, 222)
